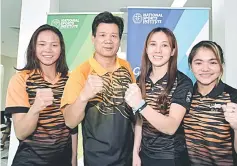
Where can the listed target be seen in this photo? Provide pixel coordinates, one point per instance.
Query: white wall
(218, 22)
(1, 82)
(108, 5)
(224, 32)
(10, 19)
(230, 13)
(8, 67)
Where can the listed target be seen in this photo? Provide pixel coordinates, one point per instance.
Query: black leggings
(181, 161)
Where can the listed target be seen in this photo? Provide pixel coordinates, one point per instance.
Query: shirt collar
(100, 70)
(215, 92)
(165, 77)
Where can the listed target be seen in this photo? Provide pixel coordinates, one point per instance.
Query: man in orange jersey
(94, 95)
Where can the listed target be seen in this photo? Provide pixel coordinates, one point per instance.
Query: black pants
(181, 161)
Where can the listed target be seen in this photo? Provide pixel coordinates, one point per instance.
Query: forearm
(74, 144)
(138, 136)
(25, 124)
(74, 113)
(164, 124)
(74, 149)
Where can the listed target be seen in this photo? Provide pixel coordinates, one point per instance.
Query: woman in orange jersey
(33, 100)
(211, 125)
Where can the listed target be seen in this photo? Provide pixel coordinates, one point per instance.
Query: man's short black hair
(107, 17)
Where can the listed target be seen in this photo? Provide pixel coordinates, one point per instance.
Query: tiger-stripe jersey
(107, 125)
(50, 143)
(156, 144)
(209, 137)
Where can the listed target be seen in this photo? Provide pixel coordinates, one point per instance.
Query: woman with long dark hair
(33, 100)
(161, 99)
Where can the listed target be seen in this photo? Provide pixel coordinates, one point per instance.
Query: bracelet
(142, 105)
(141, 108)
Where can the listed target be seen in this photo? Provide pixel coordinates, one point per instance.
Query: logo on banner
(55, 23)
(136, 71)
(65, 23)
(137, 18)
(147, 18)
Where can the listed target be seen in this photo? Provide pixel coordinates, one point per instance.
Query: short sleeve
(183, 92)
(17, 100)
(131, 72)
(233, 95)
(73, 87)
(128, 66)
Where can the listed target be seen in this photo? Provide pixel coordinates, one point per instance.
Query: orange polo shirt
(107, 125)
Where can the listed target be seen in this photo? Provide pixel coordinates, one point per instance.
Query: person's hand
(44, 97)
(133, 96)
(93, 85)
(230, 113)
(136, 161)
(74, 160)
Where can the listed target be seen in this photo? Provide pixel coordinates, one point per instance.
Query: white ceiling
(11, 10)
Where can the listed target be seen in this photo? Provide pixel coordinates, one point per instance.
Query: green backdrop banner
(76, 30)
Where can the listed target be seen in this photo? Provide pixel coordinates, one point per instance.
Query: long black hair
(172, 68)
(33, 63)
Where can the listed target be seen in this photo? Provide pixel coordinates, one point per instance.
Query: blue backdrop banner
(190, 25)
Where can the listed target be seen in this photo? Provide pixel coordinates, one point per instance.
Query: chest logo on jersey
(215, 107)
(188, 97)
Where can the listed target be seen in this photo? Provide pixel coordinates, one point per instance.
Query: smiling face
(48, 48)
(106, 41)
(206, 67)
(159, 49)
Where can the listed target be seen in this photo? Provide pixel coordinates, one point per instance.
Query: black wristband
(142, 107)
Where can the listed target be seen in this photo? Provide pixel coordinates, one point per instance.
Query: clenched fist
(94, 85)
(230, 112)
(133, 96)
(44, 97)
